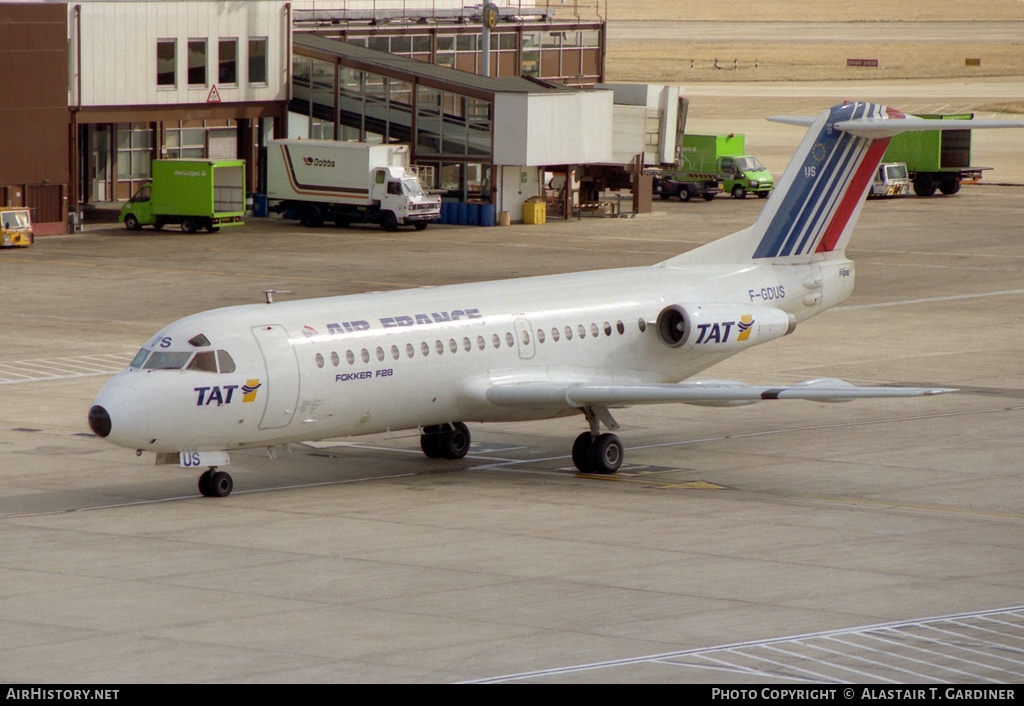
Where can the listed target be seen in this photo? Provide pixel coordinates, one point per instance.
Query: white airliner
(266, 375)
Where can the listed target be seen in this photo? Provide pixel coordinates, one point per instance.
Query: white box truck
(347, 182)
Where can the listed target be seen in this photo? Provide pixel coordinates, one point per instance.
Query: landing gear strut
(449, 441)
(215, 484)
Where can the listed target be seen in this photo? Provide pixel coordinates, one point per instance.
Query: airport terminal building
(96, 90)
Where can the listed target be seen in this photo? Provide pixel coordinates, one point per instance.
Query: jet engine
(721, 326)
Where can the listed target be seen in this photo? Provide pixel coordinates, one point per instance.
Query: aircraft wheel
(205, 483)
(606, 453)
(215, 484)
(581, 453)
(430, 441)
(456, 441)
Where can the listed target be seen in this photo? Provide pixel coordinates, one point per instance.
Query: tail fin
(815, 204)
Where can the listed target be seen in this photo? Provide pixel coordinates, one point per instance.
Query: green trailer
(193, 193)
(935, 159)
(724, 156)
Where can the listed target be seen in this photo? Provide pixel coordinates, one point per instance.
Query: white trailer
(347, 182)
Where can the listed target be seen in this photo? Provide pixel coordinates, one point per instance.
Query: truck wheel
(422, 225)
(947, 187)
(709, 197)
(684, 194)
(188, 226)
(388, 221)
(664, 195)
(738, 192)
(924, 185)
(311, 216)
(131, 222)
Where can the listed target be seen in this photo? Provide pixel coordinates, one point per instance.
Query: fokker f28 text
(432, 359)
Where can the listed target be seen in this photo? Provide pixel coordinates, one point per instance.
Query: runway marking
(940, 649)
(22, 371)
(930, 300)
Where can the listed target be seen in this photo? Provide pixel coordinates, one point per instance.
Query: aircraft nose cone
(99, 421)
(119, 415)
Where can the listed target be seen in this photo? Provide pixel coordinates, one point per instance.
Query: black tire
(456, 442)
(422, 225)
(311, 216)
(389, 221)
(188, 225)
(205, 484)
(430, 441)
(709, 197)
(924, 185)
(606, 454)
(684, 194)
(581, 453)
(221, 484)
(738, 192)
(949, 186)
(131, 222)
(763, 194)
(664, 195)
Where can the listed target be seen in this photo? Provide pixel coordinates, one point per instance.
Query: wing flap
(705, 392)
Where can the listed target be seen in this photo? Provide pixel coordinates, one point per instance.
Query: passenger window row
(480, 343)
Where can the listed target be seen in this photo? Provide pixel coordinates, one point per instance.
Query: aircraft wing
(714, 393)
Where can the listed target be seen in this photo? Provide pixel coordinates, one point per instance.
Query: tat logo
(224, 394)
(719, 331)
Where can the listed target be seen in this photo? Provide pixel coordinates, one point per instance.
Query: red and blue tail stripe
(819, 196)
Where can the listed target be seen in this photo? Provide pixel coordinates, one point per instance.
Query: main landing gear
(449, 441)
(592, 452)
(597, 454)
(215, 484)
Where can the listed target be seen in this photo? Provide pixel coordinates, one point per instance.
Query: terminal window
(166, 62)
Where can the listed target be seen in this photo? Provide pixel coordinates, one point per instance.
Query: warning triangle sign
(214, 96)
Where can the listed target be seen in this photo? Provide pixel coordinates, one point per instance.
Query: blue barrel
(463, 213)
(259, 205)
(487, 214)
(474, 214)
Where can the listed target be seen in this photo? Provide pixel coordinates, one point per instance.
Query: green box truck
(935, 158)
(194, 193)
(724, 155)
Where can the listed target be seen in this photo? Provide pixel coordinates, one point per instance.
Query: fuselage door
(282, 380)
(524, 339)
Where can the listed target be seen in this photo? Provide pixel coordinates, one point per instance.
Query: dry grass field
(769, 58)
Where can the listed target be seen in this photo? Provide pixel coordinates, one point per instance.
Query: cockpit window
(167, 360)
(199, 341)
(227, 364)
(140, 358)
(205, 361)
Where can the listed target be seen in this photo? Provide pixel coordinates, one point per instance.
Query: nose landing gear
(215, 484)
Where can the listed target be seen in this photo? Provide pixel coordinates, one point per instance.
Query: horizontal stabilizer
(708, 392)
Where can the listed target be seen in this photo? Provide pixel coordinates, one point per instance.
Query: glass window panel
(227, 61)
(258, 60)
(421, 43)
(197, 62)
(166, 62)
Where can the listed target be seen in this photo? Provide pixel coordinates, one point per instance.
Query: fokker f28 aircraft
(265, 375)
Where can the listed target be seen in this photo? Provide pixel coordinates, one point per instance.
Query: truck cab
(743, 174)
(15, 227)
(402, 199)
(890, 180)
